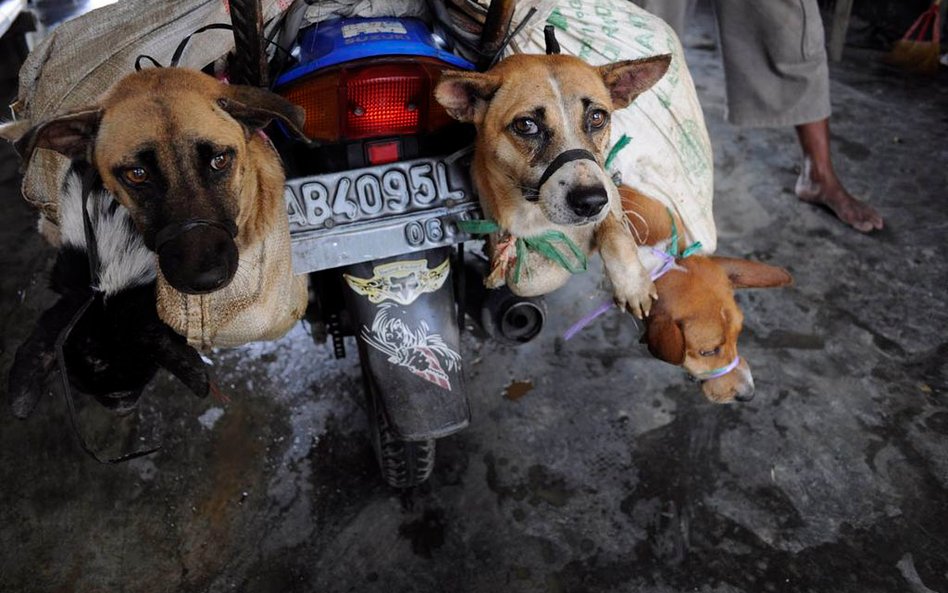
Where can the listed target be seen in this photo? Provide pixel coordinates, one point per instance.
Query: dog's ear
(465, 95)
(751, 274)
(255, 108)
(665, 339)
(69, 134)
(628, 79)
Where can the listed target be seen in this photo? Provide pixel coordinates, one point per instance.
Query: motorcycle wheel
(403, 464)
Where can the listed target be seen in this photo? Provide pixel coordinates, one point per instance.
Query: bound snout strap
(719, 372)
(173, 230)
(574, 154)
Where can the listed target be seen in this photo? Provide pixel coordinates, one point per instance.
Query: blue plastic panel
(343, 40)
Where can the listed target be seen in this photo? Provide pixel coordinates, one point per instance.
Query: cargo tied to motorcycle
(378, 195)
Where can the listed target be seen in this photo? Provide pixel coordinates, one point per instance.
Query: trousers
(775, 65)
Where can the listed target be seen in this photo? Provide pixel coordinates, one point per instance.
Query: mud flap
(404, 313)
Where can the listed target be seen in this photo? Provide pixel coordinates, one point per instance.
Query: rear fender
(404, 315)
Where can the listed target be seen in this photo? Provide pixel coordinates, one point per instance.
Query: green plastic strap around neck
(545, 244)
(479, 227)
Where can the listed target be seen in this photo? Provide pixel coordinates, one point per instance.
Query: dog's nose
(199, 260)
(587, 201)
(210, 279)
(745, 393)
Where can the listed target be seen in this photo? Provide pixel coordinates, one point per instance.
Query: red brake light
(384, 100)
(370, 100)
(383, 152)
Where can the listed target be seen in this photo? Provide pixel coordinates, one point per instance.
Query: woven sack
(262, 302)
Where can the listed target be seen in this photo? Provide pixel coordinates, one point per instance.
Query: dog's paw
(635, 292)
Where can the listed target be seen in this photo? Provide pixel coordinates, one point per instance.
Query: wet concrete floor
(610, 474)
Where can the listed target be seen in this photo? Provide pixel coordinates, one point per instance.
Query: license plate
(364, 214)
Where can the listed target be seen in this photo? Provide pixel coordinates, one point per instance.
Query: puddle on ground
(517, 389)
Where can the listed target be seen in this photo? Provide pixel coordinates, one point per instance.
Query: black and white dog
(117, 345)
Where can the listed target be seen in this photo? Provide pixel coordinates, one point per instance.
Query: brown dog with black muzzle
(184, 154)
(695, 323)
(543, 126)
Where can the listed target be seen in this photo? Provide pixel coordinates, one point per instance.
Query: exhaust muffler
(499, 313)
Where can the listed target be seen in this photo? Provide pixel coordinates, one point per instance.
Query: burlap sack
(262, 302)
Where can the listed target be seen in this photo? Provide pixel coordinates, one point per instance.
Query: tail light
(370, 100)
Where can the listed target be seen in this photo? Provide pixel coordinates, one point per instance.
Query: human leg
(777, 75)
(818, 182)
(775, 65)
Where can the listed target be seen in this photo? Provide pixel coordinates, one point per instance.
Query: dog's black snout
(587, 201)
(199, 260)
(210, 279)
(745, 394)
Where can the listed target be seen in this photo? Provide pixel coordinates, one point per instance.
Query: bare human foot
(818, 183)
(831, 193)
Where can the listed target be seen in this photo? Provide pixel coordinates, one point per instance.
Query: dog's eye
(220, 162)
(598, 118)
(135, 175)
(525, 126)
(714, 352)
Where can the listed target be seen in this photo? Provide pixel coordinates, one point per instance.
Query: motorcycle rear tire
(404, 464)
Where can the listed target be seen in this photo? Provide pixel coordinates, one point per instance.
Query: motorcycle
(374, 203)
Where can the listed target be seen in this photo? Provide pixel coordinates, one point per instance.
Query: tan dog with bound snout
(543, 126)
(695, 323)
(184, 154)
